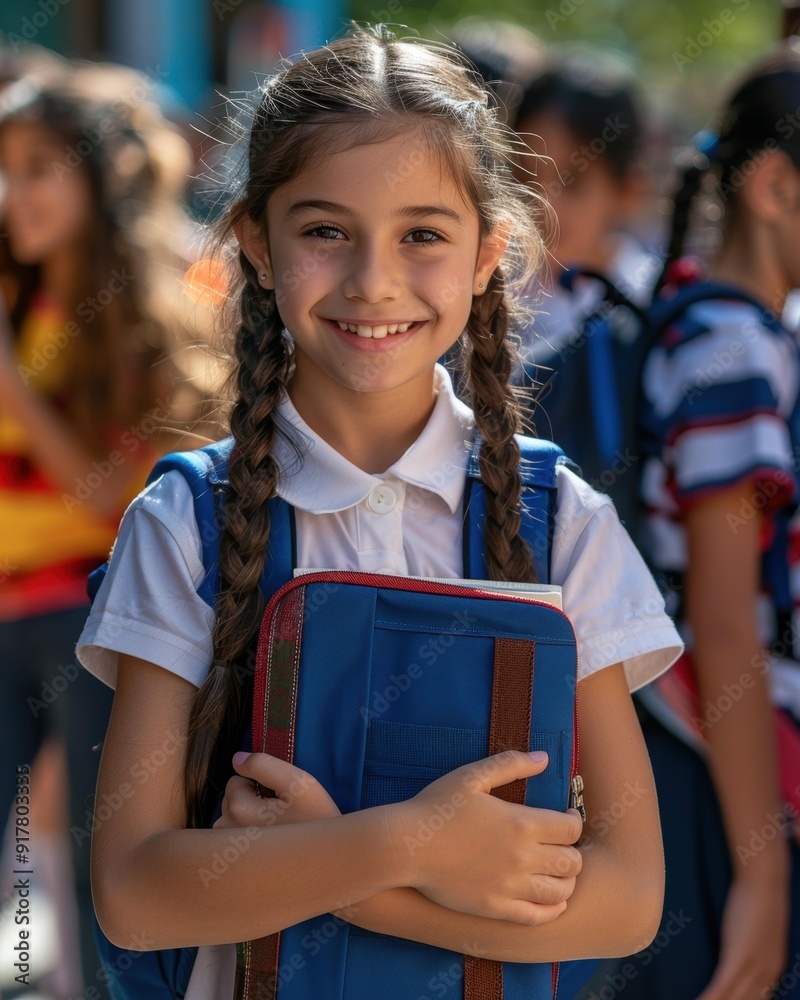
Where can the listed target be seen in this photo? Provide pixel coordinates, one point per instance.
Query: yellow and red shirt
(50, 538)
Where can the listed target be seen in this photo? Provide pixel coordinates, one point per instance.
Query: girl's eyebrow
(408, 211)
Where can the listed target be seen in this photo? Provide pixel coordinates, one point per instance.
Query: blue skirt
(681, 960)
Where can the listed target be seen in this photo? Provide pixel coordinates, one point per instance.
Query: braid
(497, 414)
(263, 363)
(691, 182)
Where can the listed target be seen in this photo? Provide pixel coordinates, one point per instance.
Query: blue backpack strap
(164, 974)
(538, 462)
(603, 388)
(664, 312)
(199, 469)
(206, 472)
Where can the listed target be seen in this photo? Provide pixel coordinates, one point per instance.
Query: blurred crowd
(108, 360)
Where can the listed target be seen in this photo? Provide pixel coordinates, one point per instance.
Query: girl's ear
(489, 256)
(772, 189)
(253, 242)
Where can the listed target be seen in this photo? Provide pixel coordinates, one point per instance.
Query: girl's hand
(471, 851)
(299, 798)
(754, 949)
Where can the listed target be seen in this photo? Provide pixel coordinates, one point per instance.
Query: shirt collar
(316, 478)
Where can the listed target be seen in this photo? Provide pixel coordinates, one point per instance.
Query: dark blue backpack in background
(593, 389)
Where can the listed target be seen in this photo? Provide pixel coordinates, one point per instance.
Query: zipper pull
(576, 796)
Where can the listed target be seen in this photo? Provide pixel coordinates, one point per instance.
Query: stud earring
(263, 276)
(480, 285)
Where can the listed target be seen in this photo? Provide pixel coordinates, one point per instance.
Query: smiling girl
(378, 225)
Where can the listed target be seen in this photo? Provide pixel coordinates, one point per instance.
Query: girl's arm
(722, 584)
(54, 447)
(160, 885)
(616, 905)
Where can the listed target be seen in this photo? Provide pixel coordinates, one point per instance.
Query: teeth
(376, 332)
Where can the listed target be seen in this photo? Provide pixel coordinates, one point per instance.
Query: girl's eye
(325, 232)
(424, 236)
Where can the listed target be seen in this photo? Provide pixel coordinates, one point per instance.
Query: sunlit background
(681, 52)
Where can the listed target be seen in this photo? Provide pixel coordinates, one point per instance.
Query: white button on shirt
(382, 499)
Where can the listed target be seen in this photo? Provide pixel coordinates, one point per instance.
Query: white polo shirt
(407, 521)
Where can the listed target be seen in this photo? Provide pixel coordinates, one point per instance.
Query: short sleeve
(723, 398)
(607, 590)
(147, 605)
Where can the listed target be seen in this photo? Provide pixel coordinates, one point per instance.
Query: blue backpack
(603, 372)
(386, 737)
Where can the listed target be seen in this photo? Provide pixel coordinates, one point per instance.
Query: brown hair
(135, 163)
(360, 89)
(757, 117)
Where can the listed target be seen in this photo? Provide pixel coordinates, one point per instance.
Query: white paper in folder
(544, 592)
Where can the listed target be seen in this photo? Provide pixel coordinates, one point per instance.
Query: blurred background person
(790, 24)
(721, 424)
(506, 55)
(582, 116)
(88, 388)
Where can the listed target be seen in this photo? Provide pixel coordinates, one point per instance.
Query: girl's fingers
(271, 772)
(520, 911)
(503, 768)
(563, 862)
(550, 891)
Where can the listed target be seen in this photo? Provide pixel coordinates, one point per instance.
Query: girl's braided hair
(757, 118)
(362, 88)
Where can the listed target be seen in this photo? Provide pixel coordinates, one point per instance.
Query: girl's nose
(372, 276)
